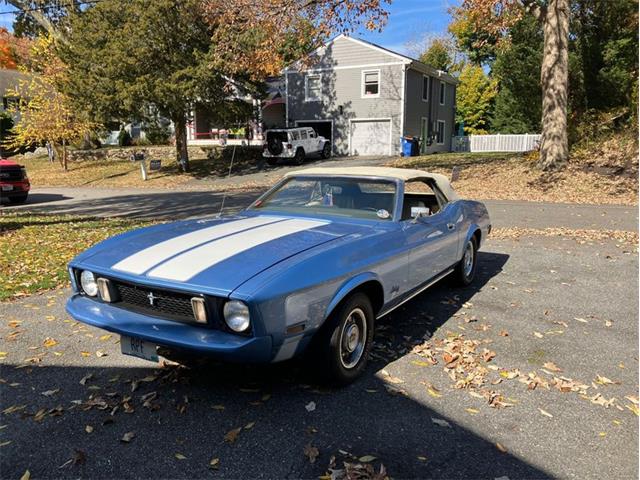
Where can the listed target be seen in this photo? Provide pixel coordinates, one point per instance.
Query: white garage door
(370, 137)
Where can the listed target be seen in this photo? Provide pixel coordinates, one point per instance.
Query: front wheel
(346, 339)
(466, 269)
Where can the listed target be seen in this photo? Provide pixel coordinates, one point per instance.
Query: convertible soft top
(404, 174)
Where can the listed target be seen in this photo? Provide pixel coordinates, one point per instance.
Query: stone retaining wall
(124, 153)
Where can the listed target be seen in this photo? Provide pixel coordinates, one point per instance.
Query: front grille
(156, 302)
(11, 173)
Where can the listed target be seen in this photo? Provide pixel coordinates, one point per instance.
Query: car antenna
(233, 155)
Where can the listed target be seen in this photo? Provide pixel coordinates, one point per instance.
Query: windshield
(350, 197)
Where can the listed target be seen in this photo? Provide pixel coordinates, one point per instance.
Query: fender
(348, 287)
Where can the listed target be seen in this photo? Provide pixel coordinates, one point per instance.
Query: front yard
(36, 248)
(497, 176)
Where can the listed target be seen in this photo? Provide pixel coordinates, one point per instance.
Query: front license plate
(138, 348)
(7, 188)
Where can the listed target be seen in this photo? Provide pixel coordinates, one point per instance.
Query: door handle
(451, 226)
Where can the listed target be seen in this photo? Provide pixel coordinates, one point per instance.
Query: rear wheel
(19, 198)
(345, 341)
(326, 150)
(466, 269)
(299, 158)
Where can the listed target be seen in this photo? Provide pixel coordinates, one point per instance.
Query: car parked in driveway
(295, 144)
(14, 183)
(306, 268)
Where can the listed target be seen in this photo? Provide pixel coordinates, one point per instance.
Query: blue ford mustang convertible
(308, 267)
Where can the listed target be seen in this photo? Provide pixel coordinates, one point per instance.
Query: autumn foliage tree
(43, 112)
(491, 19)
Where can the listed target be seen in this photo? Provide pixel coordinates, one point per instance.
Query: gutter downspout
(404, 101)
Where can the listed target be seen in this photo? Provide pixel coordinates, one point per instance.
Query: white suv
(295, 143)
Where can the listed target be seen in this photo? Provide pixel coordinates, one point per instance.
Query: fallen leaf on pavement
(232, 435)
(552, 366)
(249, 425)
(538, 334)
(501, 447)
(605, 381)
(545, 413)
(26, 475)
(503, 333)
(311, 453)
(100, 353)
(310, 407)
(49, 393)
(127, 437)
(472, 411)
(49, 342)
(180, 456)
(214, 463)
(582, 320)
(84, 379)
(88, 429)
(367, 458)
(441, 422)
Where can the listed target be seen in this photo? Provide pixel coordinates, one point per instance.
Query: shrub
(124, 138)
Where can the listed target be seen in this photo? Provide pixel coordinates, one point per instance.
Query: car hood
(212, 256)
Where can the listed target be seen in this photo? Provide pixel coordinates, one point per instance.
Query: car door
(434, 242)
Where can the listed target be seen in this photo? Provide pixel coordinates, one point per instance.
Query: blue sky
(409, 20)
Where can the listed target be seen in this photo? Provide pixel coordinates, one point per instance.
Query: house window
(440, 133)
(371, 83)
(313, 88)
(425, 88)
(442, 91)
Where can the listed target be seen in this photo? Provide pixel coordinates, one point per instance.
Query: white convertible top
(404, 174)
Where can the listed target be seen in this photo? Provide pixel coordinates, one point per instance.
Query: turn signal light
(199, 309)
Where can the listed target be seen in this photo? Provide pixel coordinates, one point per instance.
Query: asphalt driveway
(69, 397)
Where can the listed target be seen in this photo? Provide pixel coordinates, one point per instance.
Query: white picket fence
(497, 143)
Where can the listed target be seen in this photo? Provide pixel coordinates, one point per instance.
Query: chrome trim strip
(418, 292)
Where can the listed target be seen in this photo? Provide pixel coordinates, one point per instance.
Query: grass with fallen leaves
(116, 173)
(508, 176)
(36, 248)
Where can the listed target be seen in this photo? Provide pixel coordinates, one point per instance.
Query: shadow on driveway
(191, 411)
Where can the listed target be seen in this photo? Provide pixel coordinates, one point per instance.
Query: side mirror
(417, 212)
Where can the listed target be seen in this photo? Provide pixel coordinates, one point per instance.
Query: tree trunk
(182, 154)
(554, 146)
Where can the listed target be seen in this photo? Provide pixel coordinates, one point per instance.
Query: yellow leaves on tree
(44, 113)
(252, 36)
(475, 96)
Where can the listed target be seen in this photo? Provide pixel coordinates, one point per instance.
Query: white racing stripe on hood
(143, 260)
(189, 264)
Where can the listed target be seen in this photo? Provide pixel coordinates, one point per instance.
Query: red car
(14, 184)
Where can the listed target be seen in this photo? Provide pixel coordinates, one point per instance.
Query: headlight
(236, 314)
(88, 282)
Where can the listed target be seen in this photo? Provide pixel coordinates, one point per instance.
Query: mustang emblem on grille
(151, 298)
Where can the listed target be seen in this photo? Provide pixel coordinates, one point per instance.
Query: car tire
(465, 270)
(326, 151)
(19, 198)
(345, 341)
(299, 158)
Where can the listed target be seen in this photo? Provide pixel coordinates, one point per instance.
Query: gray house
(365, 98)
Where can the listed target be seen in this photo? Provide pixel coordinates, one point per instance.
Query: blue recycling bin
(410, 146)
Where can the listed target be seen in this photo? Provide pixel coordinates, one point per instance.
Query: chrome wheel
(467, 260)
(353, 337)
